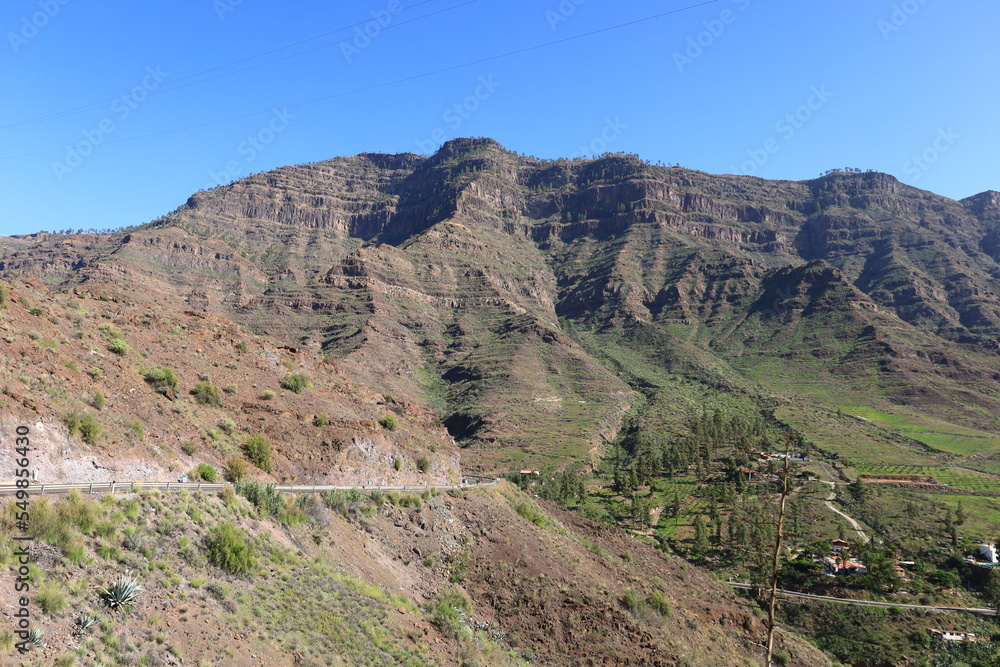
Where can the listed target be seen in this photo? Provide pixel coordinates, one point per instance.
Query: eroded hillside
(482, 576)
(492, 289)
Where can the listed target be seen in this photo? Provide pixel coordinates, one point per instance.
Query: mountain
(534, 306)
(405, 319)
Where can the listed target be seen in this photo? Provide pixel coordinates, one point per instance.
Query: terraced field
(852, 439)
(935, 433)
(959, 478)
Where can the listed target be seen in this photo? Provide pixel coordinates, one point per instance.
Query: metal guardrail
(109, 487)
(980, 611)
(135, 487)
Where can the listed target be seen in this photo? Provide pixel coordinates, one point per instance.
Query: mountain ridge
(450, 279)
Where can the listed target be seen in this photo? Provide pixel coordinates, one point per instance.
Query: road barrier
(135, 487)
(980, 611)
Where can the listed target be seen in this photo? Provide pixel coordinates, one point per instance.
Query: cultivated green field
(957, 477)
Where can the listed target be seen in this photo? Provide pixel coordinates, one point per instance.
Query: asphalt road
(868, 603)
(132, 487)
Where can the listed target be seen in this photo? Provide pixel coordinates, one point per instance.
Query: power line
(385, 83)
(170, 87)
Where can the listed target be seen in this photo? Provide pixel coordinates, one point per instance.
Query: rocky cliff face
(470, 281)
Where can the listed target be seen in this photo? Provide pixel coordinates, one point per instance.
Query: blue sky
(115, 112)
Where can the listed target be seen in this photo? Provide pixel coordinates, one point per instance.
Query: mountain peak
(979, 203)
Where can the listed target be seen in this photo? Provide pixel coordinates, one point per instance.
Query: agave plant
(35, 636)
(85, 620)
(122, 594)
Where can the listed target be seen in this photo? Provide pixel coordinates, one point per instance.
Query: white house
(953, 635)
(988, 552)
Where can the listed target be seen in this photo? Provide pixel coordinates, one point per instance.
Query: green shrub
(659, 603)
(335, 500)
(632, 601)
(532, 512)
(295, 383)
(423, 464)
(189, 447)
(36, 311)
(227, 548)
(217, 589)
(921, 638)
(205, 472)
(458, 564)
(388, 422)
(118, 346)
(4, 295)
(242, 347)
(97, 400)
(230, 389)
(321, 420)
(51, 599)
(397, 464)
(132, 539)
(258, 450)
(264, 497)
(162, 380)
(236, 469)
(85, 425)
(138, 428)
(206, 393)
(450, 612)
(227, 426)
(267, 395)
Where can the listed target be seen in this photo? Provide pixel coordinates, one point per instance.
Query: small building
(835, 565)
(838, 547)
(988, 552)
(748, 472)
(529, 472)
(953, 635)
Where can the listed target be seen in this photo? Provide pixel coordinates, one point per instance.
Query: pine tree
(700, 547)
(992, 590)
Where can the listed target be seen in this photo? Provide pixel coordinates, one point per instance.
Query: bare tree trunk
(776, 558)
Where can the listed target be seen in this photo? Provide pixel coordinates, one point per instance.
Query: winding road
(833, 495)
(981, 611)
